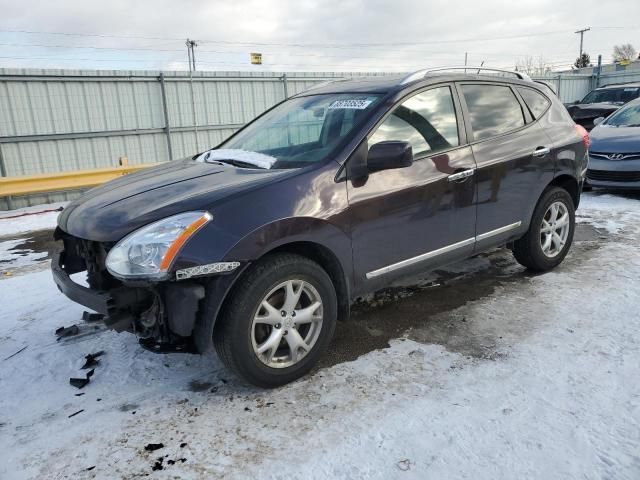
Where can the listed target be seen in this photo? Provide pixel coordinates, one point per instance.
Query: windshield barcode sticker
(355, 104)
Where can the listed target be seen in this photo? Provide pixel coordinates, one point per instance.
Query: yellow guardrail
(25, 185)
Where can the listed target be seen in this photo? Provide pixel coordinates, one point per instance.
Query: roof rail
(549, 85)
(323, 84)
(420, 74)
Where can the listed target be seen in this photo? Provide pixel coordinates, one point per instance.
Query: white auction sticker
(355, 104)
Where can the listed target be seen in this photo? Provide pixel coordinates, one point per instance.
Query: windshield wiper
(236, 163)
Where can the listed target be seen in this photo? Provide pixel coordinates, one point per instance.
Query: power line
(226, 52)
(45, 45)
(230, 64)
(303, 45)
(98, 35)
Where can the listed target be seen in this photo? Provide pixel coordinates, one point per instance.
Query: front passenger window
(427, 121)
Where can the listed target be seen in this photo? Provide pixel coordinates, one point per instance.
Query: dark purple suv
(259, 246)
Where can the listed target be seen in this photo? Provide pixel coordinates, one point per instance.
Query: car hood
(605, 139)
(111, 211)
(589, 110)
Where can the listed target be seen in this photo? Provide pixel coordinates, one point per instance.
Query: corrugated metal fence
(54, 121)
(63, 120)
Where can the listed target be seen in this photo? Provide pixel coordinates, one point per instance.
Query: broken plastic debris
(92, 317)
(82, 382)
(150, 447)
(91, 360)
(67, 331)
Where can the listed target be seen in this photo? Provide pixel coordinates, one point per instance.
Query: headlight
(149, 251)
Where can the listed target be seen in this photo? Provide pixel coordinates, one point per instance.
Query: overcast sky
(296, 35)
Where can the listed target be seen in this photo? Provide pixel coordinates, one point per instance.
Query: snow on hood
(254, 158)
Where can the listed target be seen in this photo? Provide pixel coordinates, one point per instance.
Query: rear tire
(278, 321)
(550, 233)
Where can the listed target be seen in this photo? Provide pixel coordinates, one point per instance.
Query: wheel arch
(570, 184)
(317, 239)
(329, 261)
(219, 292)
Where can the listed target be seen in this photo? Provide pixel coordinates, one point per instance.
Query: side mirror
(598, 121)
(388, 155)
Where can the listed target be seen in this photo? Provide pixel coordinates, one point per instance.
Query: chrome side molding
(498, 231)
(420, 258)
(441, 251)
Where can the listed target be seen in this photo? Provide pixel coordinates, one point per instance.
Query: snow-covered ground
(29, 218)
(533, 377)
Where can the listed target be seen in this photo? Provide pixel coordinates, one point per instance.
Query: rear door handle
(461, 175)
(541, 151)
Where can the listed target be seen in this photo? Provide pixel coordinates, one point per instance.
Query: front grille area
(87, 255)
(609, 176)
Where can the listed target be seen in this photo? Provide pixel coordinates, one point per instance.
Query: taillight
(584, 134)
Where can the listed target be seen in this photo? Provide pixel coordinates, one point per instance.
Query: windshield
(612, 95)
(628, 116)
(296, 133)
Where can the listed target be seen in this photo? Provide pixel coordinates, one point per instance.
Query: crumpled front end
(161, 314)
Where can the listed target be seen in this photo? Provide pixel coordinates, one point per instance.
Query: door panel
(508, 176)
(508, 173)
(398, 215)
(412, 218)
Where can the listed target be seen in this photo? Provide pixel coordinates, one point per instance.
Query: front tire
(550, 233)
(278, 321)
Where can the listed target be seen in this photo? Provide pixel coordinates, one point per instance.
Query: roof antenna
(481, 64)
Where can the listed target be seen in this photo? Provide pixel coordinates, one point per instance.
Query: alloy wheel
(287, 323)
(554, 230)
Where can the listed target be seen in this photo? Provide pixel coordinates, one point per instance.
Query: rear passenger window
(536, 102)
(493, 110)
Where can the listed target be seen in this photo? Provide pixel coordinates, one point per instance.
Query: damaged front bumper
(163, 315)
(114, 303)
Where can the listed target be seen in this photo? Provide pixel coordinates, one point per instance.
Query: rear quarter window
(535, 101)
(493, 109)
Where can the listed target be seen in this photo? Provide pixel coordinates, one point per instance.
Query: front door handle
(461, 175)
(541, 151)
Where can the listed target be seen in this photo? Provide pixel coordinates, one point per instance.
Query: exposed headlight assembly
(149, 251)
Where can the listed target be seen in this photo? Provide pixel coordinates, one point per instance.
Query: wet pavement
(416, 311)
(412, 310)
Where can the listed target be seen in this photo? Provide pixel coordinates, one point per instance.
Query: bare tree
(624, 52)
(533, 66)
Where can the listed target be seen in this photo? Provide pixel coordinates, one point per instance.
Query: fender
(291, 230)
(287, 231)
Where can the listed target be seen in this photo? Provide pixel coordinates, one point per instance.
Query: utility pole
(581, 32)
(465, 59)
(191, 54)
